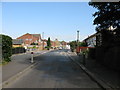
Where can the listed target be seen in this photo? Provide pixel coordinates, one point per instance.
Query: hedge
(6, 47)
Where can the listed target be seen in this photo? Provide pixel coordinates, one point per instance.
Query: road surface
(55, 70)
(17, 64)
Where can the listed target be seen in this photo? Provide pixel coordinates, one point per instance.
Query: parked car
(60, 48)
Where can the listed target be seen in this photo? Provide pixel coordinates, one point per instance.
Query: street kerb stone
(13, 78)
(91, 75)
(17, 75)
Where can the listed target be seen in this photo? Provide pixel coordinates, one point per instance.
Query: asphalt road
(55, 70)
(18, 63)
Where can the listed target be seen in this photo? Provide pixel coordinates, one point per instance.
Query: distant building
(53, 44)
(91, 40)
(17, 43)
(57, 43)
(68, 46)
(30, 38)
(64, 44)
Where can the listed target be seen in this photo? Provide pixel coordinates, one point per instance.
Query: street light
(77, 42)
(77, 36)
(43, 39)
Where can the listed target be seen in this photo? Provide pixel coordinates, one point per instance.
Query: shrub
(83, 44)
(6, 47)
(34, 43)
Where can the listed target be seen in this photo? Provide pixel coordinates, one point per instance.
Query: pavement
(107, 75)
(18, 63)
(54, 70)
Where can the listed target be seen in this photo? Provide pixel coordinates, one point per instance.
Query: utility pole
(77, 37)
(43, 39)
(77, 42)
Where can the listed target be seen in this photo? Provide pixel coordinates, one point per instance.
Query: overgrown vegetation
(6, 47)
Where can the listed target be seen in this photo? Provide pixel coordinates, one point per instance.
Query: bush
(83, 44)
(34, 43)
(6, 47)
(73, 45)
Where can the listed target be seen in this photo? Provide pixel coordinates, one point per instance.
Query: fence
(82, 49)
(18, 50)
(109, 57)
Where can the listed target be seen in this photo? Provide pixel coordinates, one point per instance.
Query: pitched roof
(17, 41)
(93, 35)
(36, 35)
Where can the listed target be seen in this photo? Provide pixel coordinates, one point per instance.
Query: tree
(83, 44)
(108, 15)
(48, 43)
(73, 45)
(6, 43)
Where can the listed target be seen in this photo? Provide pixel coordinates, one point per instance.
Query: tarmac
(20, 63)
(103, 76)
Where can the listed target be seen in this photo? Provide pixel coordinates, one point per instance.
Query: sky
(59, 20)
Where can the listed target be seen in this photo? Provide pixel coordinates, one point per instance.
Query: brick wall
(29, 38)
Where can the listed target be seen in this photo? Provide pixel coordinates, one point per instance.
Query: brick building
(17, 43)
(28, 39)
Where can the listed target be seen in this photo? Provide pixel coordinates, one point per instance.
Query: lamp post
(77, 37)
(43, 39)
(77, 42)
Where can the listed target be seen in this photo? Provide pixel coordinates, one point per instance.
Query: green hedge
(6, 43)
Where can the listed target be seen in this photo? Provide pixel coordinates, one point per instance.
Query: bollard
(31, 57)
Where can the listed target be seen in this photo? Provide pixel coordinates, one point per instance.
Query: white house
(91, 40)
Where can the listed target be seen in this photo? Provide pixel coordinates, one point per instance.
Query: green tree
(73, 45)
(83, 44)
(6, 43)
(108, 14)
(48, 43)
